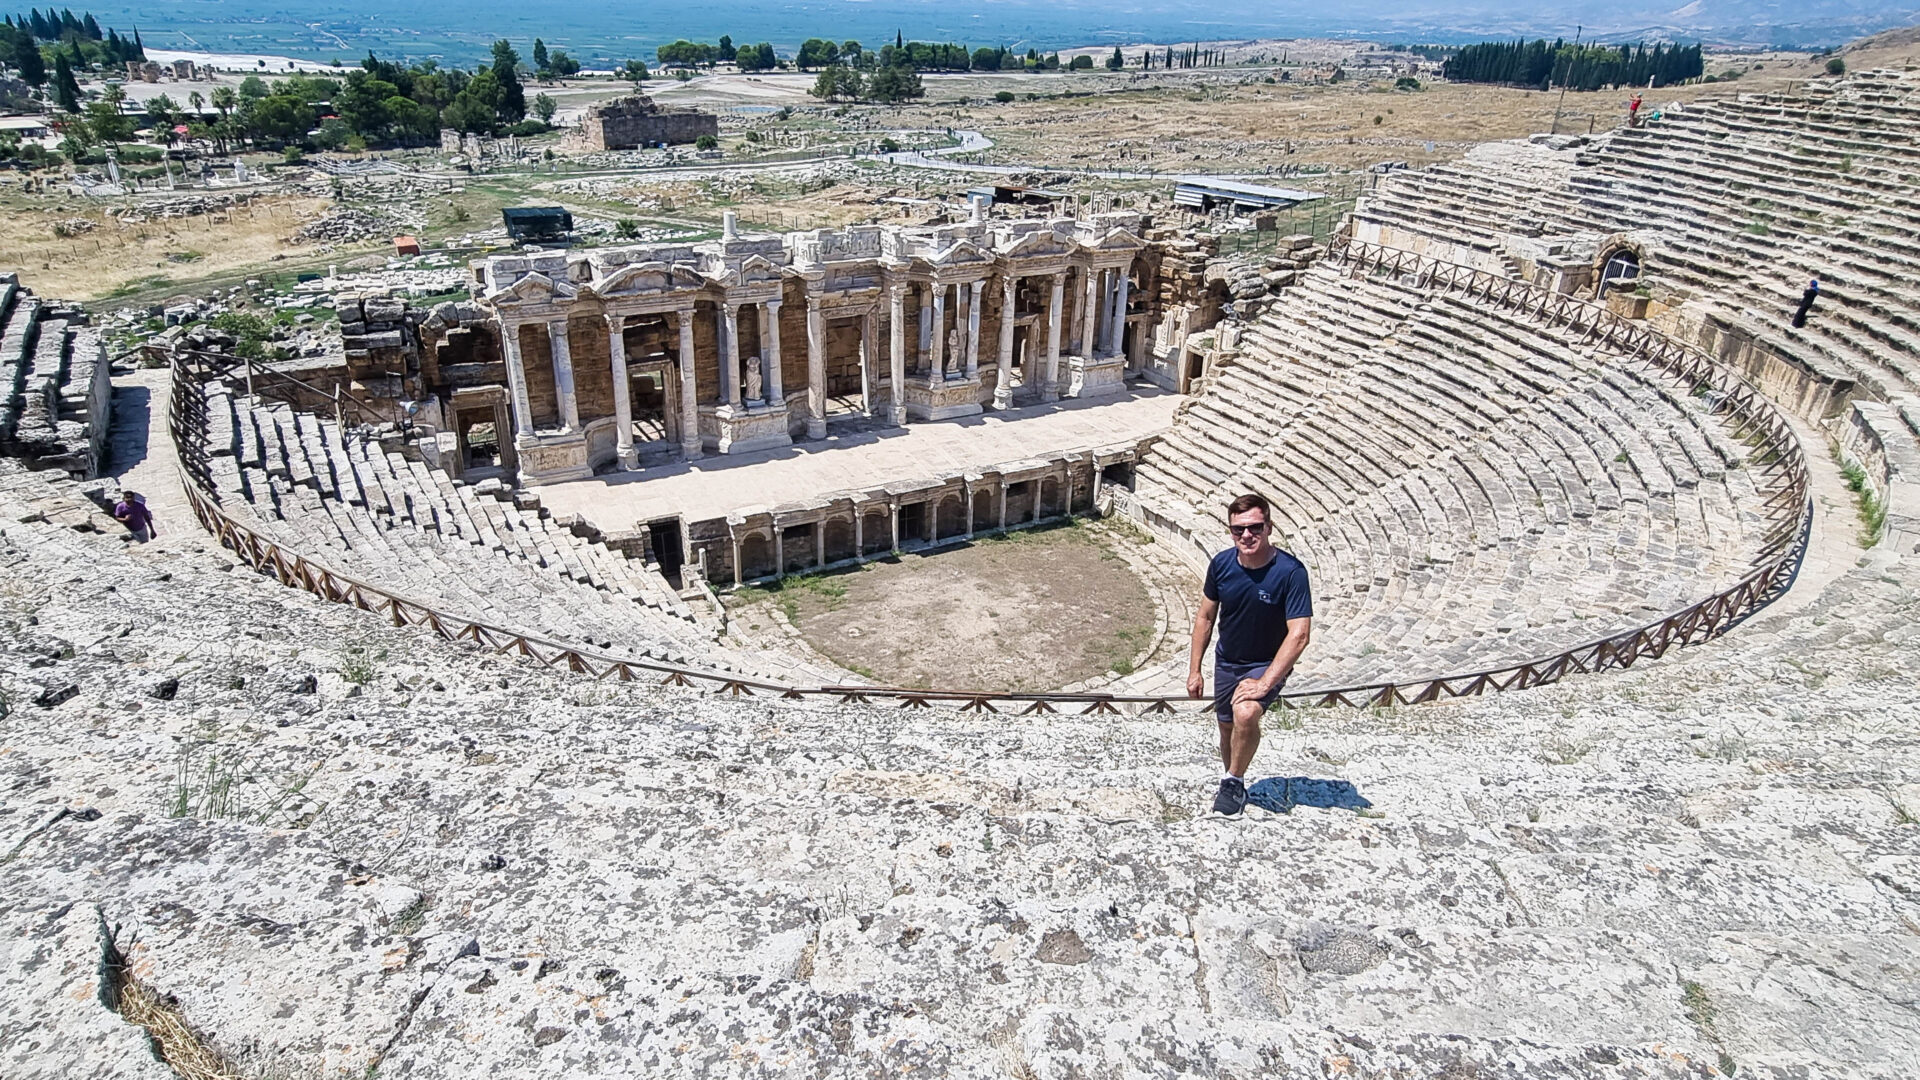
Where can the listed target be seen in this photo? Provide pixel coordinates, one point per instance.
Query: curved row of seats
(1467, 488)
(1745, 200)
(402, 525)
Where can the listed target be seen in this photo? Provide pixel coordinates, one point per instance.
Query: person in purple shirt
(131, 511)
(1259, 595)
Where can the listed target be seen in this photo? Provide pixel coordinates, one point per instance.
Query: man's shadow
(1280, 794)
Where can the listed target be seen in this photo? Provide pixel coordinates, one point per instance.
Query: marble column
(897, 399)
(1003, 386)
(690, 447)
(1050, 390)
(816, 369)
(516, 378)
(770, 351)
(973, 329)
(730, 352)
(869, 357)
(1088, 313)
(925, 354)
(1120, 311)
(563, 374)
(937, 354)
(622, 402)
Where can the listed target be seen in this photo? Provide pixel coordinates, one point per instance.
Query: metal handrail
(1772, 575)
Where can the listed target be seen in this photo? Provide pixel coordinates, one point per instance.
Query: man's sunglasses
(1243, 530)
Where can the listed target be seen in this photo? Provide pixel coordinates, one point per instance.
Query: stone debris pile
(360, 224)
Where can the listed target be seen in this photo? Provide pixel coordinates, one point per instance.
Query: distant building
(631, 122)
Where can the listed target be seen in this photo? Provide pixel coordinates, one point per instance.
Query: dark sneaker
(1231, 800)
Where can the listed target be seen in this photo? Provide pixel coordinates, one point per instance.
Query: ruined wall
(629, 123)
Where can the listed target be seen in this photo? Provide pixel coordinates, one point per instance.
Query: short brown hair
(1250, 501)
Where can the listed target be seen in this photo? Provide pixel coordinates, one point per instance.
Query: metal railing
(1789, 508)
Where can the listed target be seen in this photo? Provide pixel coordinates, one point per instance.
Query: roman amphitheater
(437, 735)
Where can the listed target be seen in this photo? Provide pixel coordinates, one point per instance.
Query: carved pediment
(644, 279)
(962, 253)
(535, 288)
(1036, 243)
(1115, 240)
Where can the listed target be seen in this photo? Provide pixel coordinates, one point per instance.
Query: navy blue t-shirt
(1256, 604)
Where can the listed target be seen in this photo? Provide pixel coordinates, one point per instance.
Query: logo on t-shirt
(1266, 597)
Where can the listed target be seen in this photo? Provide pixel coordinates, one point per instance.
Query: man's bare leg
(1245, 732)
(1226, 747)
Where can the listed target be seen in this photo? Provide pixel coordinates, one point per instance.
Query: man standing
(1265, 610)
(131, 511)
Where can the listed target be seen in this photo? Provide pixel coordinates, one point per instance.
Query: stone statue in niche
(955, 365)
(753, 379)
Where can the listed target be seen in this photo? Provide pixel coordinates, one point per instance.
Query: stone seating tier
(402, 525)
(1751, 196)
(1467, 489)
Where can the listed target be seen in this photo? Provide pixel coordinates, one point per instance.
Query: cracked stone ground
(343, 848)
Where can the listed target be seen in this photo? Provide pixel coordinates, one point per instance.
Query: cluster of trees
(553, 65)
(1193, 56)
(379, 102)
(42, 47)
(1540, 64)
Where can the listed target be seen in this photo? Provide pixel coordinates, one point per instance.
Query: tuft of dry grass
(177, 1044)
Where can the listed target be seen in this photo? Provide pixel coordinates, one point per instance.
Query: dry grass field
(111, 257)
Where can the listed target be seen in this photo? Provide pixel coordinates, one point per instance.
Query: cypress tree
(66, 92)
(33, 67)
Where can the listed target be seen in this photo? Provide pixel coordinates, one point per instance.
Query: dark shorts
(1226, 679)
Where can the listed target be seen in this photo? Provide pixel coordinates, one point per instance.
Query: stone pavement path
(140, 456)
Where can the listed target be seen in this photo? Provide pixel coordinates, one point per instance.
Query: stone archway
(756, 556)
(839, 533)
(950, 520)
(876, 532)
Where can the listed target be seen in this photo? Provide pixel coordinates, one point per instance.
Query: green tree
(66, 91)
(1116, 61)
(108, 124)
(471, 113)
(253, 86)
(726, 51)
(540, 59)
(895, 84)
(634, 72)
(1836, 66)
(161, 112)
(756, 57)
(816, 53)
(544, 108)
(706, 142)
(33, 66)
(837, 83)
(1081, 63)
(512, 104)
(563, 65)
(412, 121)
